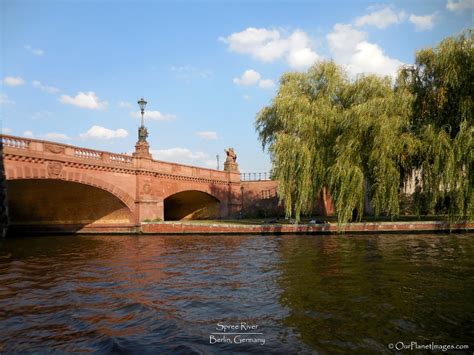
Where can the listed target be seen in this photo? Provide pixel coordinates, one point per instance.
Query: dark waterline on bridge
(154, 294)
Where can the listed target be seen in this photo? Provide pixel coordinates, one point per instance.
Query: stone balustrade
(88, 154)
(120, 158)
(15, 142)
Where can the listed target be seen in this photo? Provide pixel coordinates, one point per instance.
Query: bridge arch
(191, 204)
(59, 202)
(82, 178)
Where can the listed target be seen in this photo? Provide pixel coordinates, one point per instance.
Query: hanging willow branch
(325, 131)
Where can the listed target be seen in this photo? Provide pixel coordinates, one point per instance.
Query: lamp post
(142, 131)
(142, 103)
(217, 157)
(142, 147)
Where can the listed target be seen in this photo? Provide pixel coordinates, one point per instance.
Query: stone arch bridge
(53, 186)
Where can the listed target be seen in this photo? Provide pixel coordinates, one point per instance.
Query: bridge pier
(149, 210)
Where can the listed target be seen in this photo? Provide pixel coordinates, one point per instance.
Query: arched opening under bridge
(189, 205)
(58, 203)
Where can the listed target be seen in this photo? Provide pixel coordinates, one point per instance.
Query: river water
(287, 294)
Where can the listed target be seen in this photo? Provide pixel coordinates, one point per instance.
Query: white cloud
(261, 43)
(252, 77)
(350, 49)
(5, 100)
(302, 58)
(188, 72)
(270, 45)
(104, 133)
(249, 77)
(28, 134)
(124, 104)
(183, 156)
(154, 115)
(381, 18)
(246, 97)
(87, 100)
(423, 23)
(46, 88)
(13, 81)
(266, 83)
(41, 114)
(6, 130)
(58, 136)
(460, 5)
(35, 51)
(210, 135)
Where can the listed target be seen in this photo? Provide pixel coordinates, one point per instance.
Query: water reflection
(362, 293)
(167, 293)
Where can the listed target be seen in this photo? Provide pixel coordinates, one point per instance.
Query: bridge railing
(255, 176)
(15, 142)
(120, 158)
(270, 193)
(88, 154)
(36, 145)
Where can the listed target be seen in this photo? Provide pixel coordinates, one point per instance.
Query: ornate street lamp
(142, 131)
(142, 103)
(142, 147)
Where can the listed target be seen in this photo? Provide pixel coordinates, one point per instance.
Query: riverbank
(313, 228)
(248, 227)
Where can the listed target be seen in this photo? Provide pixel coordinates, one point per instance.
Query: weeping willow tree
(324, 131)
(441, 82)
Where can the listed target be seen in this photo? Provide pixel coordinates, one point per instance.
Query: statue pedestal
(142, 150)
(231, 166)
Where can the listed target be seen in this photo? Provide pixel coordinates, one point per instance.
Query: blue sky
(72, 71)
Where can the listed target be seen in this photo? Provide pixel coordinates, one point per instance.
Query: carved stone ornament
(146, 189)
(54, 169)
(142, 150)
(56, 149)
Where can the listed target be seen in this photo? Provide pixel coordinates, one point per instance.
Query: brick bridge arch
(194, 203)
(206, 189)
(85, 179)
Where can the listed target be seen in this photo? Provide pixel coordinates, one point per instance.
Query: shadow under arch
(56, 204)
(191, 204)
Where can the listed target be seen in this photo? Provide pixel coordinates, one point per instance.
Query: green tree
(441, 82)
(326, 131)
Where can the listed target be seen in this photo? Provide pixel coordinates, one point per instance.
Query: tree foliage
(442, 84)
(367, 136)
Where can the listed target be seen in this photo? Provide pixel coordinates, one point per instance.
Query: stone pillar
(148, 203)
(234, 200)
(148, 207)
(149, 210)
(142, 150)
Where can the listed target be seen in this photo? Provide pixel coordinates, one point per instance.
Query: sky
(72, 71)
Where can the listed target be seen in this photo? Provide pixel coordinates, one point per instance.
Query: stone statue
(231, 156)
(230, 163)
(142, 134)
(142, 148)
